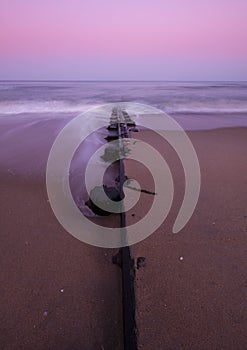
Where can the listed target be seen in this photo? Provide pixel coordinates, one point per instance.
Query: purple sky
(131, 39)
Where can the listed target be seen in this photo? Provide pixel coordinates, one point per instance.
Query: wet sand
(191, 292)
(56, 292)
(59, 293)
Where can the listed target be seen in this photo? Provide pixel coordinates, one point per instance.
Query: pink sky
(95, 39)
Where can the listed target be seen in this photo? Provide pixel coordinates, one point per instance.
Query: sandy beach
(190, 293)
(56, 292)
(60, 293)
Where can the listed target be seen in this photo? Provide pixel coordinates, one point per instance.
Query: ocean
(75, 97)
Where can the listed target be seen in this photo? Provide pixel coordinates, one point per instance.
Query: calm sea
(172, 97)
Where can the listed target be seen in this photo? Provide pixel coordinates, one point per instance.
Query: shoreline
(34, 139)
(196, 302)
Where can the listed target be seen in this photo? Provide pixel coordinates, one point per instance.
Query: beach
(190, 291)
(61, 293)
(56, 292)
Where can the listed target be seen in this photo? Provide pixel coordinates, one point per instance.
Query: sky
(123, 40)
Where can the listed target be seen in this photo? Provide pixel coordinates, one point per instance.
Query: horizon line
(119, 80)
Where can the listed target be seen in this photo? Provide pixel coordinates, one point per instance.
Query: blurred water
(172, 97)
(33, 113)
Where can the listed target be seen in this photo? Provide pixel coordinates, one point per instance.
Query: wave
(7, 87)
(205, 110)
(19, 107)
(54, 106)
